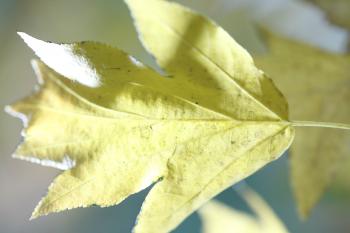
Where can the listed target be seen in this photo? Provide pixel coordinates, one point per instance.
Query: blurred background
(23, 184)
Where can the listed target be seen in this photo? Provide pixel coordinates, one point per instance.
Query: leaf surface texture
(117, 127)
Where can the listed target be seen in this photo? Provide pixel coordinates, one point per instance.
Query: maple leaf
(316, 84)
(121, 126)
(220, 218)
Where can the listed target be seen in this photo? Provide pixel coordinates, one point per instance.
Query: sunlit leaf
(118, 126)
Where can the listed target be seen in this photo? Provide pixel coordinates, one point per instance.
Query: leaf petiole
(321, 124)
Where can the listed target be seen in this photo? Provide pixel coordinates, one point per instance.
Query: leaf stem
(321, 124)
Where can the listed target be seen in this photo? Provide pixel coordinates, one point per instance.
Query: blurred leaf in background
(338, 11)
(220, 218)
(316, 84)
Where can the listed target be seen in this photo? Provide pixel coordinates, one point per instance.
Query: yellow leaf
(338, 11)
(197, 52)
(118, 126)
(219, 218)
(316, 85)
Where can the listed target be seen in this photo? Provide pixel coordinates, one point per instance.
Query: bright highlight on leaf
(220, 218)
(117, 127)
(72, 62)
(316, 85)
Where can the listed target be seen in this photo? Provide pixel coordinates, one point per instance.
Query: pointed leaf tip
(22, 35)
(27, 38)
(64, 59)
